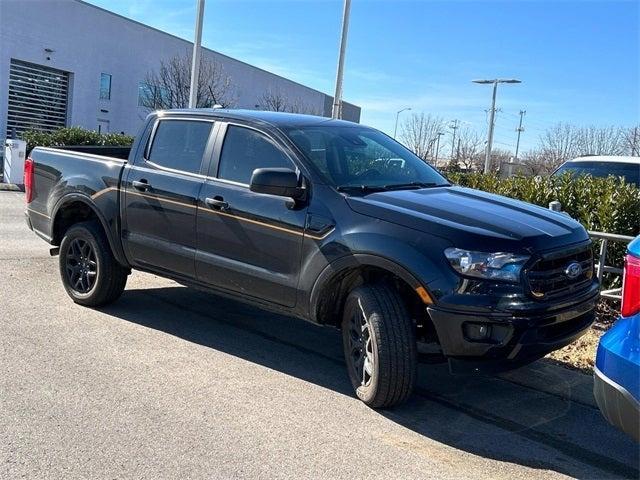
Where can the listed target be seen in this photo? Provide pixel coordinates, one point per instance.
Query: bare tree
(559, 143)
(471, 147)
(168, 87)
(275, 100)
(631, 141)
(600, 141)
(420, 132)
(536, 162)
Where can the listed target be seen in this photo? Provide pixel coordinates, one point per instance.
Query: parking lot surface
(171, 382)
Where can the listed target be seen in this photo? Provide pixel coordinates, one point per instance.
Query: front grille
(548, 276)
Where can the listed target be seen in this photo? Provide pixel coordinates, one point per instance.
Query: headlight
(490, 266)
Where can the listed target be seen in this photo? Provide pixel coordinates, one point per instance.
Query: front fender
(409, 258)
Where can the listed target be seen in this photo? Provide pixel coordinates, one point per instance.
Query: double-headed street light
(495, 82)
(395, 130)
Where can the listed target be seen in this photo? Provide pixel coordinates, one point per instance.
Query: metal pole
(195, 60)
(454, 127)
(395, 130)
(435, 160)
(487, 158)
(336, 111)
(519, 130)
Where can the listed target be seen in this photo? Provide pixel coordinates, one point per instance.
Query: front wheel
(90, 273)
(379, 345)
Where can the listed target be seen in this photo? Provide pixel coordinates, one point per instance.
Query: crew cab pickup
(326, 220)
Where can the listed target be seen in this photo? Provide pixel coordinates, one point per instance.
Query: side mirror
(283, 182)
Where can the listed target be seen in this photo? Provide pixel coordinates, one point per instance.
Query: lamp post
(336, 111)
(492, 116)
(195, 58)
(395, 130)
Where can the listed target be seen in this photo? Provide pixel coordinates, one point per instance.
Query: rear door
(247, 242)
(161, 193)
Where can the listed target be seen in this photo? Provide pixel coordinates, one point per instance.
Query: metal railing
(602, 267)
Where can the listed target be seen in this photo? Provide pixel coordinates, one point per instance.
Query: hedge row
(73, 136)
(601, 204)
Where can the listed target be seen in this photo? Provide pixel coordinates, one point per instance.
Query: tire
(383, 372)
(90, 274)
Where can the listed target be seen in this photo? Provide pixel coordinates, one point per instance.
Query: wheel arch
(75, 208)
(337, 279)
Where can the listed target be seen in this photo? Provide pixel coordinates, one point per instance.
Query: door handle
(217, 203)
(141, 185)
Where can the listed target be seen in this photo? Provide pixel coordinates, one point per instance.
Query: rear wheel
(379, 345)
(90, 273)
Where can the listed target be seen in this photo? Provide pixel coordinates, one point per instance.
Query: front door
(247, 242)
(161, 192)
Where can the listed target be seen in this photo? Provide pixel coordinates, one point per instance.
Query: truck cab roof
(274, 119)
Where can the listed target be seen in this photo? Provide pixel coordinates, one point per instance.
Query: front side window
(105, 86)
(180, 144)
(362, 157)
(244, 150)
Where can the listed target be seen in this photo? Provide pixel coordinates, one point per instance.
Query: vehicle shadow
(485, 416)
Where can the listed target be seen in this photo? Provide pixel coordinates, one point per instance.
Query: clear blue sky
(578, 60)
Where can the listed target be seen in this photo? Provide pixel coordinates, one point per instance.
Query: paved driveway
(170, 382)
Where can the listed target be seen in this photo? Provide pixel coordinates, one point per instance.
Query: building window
(152, 96)
(105, 86)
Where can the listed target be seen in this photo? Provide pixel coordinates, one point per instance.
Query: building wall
(87, 41)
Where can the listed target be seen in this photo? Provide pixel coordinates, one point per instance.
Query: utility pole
(454, 126)
(634, 143)
(520, 129)
(435, 160)
(492, 116)
(336, 111)
(195, 58)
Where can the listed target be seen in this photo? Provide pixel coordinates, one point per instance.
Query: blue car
(617, 372)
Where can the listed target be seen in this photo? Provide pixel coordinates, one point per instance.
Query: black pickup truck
(328, 221)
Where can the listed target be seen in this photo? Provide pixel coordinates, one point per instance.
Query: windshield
(629, 171)
(363, 158)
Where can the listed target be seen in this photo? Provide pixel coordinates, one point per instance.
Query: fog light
(477, 332)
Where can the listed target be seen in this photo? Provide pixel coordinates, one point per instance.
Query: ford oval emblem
(573, 270)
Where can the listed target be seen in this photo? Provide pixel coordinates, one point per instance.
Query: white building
(69, 63)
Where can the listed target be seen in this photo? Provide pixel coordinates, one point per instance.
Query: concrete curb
(555, 380)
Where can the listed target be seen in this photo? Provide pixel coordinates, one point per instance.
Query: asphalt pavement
(172, 382)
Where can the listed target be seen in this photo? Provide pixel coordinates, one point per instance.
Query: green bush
(601, 204)
(73, 136)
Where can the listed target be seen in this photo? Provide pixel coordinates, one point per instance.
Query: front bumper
(616, 404)
(510, 340)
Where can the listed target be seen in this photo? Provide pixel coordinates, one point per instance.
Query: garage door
(37, 97)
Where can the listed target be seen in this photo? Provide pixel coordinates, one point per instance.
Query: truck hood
(473, 219)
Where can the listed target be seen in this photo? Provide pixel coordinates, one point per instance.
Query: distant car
(617, 371)
(602, 166)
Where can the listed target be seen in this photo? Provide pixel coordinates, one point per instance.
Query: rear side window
(244, 150)
(180, 144)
